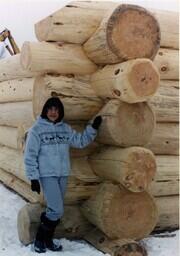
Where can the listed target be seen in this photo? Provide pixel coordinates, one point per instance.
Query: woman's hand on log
(35, 186)
(97, 122)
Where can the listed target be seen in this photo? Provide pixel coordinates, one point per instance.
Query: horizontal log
(168, 208)
(29, 218)
(168, 88)
(166, 180)
(12, 137)
(126, 124)
(120, 213)
(55, 58)
(118, 39)
(169, 26)
(16, 90)
(165, 139)
(80, 101)
(16, 113)
(123, 247)
(10, 68)
(167, 62)
(131, 81)
(133, 167)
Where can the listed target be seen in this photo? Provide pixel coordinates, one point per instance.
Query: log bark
(16, 113)
(168, 208)
(29, 218)
(10, 68)
(120, 213)
(16, 90)
(169, 26)
(165, 139)
(166, 181)
(126, 124)
(11, 137)
(131, 81)
(55, 58)
(133, 167)
(167, 62)
(124, 35)
(80, 102)
(123, 247)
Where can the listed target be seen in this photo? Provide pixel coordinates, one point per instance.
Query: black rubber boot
(39, 244)
(50, 229)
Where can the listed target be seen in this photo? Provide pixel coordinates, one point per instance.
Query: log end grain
(25, 57)
(144, 79)
(41, 29)
(133, 32)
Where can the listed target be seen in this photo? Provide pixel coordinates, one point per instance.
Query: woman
(47, 162)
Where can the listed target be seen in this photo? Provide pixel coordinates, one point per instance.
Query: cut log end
(141, 169)
(144, 78)
(138, 28)
(25, 58)
(41, 29)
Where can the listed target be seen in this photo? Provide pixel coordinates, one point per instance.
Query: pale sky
(19, 16)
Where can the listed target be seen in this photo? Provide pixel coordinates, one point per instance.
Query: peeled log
(120, 213)
(168, 88)
(121, 247)
(29, 218)
(11, 137)
(165, 139)
(166, 108)
(80, 101)
(16, 90)
(166, 181)
(123, 34)
(16, 113)
(55, 58)
(126, 124)
(131, 81)
(10, 68)
(168, 208)
(167, 62)
(169, 26)
(133, 167)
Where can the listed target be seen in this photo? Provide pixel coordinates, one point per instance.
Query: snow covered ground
(165, 244)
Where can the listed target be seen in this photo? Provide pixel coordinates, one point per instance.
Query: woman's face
(53, 114)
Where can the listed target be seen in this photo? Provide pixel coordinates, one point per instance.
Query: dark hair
(53, 102)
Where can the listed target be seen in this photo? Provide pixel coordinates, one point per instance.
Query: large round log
(167, 62)
(133, 167)
(168, 88)
(55, 58)
(16, 113)
(80, 101)
(16, 90)
(169, 26)
(168, 208)
(165, 139)
(131, 81)
(29, 218)
(124, 35)
(10, 68)
(166, 181)
(126, 124)
(121, 247)
(120, 213)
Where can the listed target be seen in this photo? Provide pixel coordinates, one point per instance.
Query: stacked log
(116, 175)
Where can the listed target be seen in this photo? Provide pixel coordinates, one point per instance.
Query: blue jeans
(54, 189)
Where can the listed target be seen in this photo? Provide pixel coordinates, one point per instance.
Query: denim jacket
(47, 148)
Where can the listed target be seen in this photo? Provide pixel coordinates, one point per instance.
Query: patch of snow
(11, 203)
